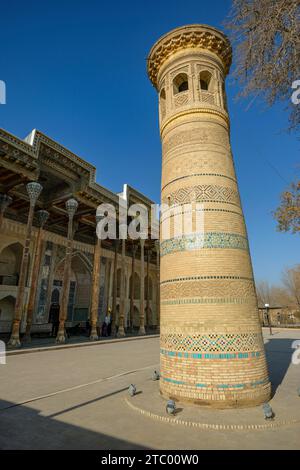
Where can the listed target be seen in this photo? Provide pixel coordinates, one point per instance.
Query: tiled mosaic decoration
(211, 356)
(203, 240)
(245, 385)
(230, 342)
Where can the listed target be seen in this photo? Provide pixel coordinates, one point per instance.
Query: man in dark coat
(54, 318)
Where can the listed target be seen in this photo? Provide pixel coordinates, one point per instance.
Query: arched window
(205, 80)
(10, 264)
(137, 286)
(180, 83)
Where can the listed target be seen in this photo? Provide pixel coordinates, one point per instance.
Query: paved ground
(75, 399)
(49, 342)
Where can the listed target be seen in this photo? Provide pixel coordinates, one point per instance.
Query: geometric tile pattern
(214, 342)
(204, 240)
(200, 278)
(198, 174)
(210, 300)
(211, 356)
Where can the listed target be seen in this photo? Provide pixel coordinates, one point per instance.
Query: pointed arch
(10, 264)
(180, 83)
(205, 79)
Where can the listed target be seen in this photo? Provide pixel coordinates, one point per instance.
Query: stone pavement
(47, 344)
(76, 399)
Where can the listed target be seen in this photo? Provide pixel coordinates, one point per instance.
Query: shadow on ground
(279, 355)
(22, 427)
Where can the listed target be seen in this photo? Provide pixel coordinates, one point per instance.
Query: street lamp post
(268, 317)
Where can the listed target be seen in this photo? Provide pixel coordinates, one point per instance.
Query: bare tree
(280, 297)
(288, 213)
(266, 36)
(263, 292)
(275, 296)
(291, 279)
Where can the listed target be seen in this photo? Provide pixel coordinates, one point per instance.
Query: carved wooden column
(114, 301)
(95, 287)
(108, 286)
(71, 206)
(142, 292)
(33, 189)
(132, 287)
(121, 330)
(148, 288)
(157, 286)
(42, 217)
(5, 201)
(51, 279)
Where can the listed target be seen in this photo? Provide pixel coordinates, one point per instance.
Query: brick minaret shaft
(212, 351)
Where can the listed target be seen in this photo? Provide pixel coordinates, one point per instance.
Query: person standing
(54, 318)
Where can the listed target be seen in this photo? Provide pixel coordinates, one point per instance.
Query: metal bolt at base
(171, 407)
(132, 390)
(268, 412)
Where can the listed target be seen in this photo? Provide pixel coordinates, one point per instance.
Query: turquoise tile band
(204, 240)
(245, 385)
(205, 356)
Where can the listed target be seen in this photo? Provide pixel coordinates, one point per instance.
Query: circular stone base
(262, 397)
(150, 403)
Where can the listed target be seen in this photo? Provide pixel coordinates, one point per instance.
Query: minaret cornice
(194, 36)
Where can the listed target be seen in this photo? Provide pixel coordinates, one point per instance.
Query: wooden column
(42, 219)
(121, 330)
(33, 189)
(142, 291)
(114, 301)
(5, 201)
(148, 289)
(157, 286)
(71, 206)
(95, 288)
(50, 279)
(132, 287)
(109, 271)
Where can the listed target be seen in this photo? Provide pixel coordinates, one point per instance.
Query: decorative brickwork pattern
(227, 342)
(208, 356)
(203, 162)
(198, 174)
(212, 351)
(203, 193)
(203, 136)
(206, 240)
(208, 289)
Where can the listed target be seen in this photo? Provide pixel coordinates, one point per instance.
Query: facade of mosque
(50, 255)
(212, 351)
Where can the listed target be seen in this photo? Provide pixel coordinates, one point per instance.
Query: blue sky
(76, 70)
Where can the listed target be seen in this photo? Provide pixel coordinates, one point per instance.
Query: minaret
(212, 352)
